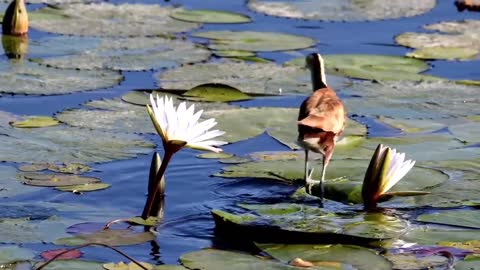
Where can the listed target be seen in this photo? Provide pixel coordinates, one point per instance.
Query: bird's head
(313, 61)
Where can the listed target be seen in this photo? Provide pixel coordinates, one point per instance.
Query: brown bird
(321, 119)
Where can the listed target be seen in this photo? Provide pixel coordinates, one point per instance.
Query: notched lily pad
(130, 20)
(209, 16)
(109, 237)
(255, 41)
(456, 40)
(343, 10)
(54, 180)
(215, 92)
(138, 53)
(33, 79)
(250, 78)
(35, 122)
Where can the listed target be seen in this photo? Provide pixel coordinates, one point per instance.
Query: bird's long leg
(324, 169)
(305, 176)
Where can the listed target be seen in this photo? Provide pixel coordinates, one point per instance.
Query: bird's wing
(323, 110)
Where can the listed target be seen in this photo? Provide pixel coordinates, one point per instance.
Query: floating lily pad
(344, 10)
(426, 236)
(33, 79)
(48, 46)
(209, 16)
(84, 187)
(150, 221)
(73, 254)
(413, 125)
(9, 186)
(233, 53)
(464, 218)
(124, 266)
(219, 259)
(109, 237)
(54, 180)
(449, 53)
(456, 40)
(35, 122)
(130, 20)
(414, 100)
(353, 170)
(139, 53)
(471, 262)
(255, 41)
(413, 262)
(221, 155)
(472, 245)
(215, 92)
(466, 132)
(372, 67)
(62, 144)
(250, 78)
(309, 224)
(346, 256)
(10, 254)
(280, 123)
(71, 265)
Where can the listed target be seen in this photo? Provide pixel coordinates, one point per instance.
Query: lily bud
(15, 20)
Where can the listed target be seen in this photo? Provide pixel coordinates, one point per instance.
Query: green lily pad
(456, 40)
(150, 221)
(72, 265)
(448, 53)
(35, 122)
(472, 245)
(124, 266)
(471, 262)
(65, 144)
(84, 187)
(33, 79)
(216, 92)
(109, 237)
(344, 10)
(354, 170)
(255, 41)
(209, 16)
(280, 123)
(348, 256)
(139, 53)
(21, 230)
(54, 180)
(212, 155)
(413, 125)
(214, 259)
(464, 218)
(297, 223)
(372, 67)
(10, 254)
(428, 236)
(413, 262)
(9, 186)
(466, 132)
(130, 20)
(250, 78)
(72, 168)
(413, 100)
(233, 53)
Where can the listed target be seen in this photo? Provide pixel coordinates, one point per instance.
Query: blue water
(191, 192)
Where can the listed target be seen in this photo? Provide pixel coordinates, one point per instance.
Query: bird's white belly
(311, 144)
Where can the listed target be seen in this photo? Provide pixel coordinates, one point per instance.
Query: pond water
(191, 190)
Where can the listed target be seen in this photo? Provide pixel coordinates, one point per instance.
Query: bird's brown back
(323, 110)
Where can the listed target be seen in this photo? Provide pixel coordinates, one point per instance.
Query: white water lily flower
(181, 125)
(386, 168)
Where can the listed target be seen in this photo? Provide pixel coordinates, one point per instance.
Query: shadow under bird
(321, 120)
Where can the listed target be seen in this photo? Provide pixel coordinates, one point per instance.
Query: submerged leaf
(463, 218)
(109, 237)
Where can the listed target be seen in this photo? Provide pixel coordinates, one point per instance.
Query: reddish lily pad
(49, 254)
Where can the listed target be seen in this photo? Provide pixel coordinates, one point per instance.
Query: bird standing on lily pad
(178, 127)
(321, 119)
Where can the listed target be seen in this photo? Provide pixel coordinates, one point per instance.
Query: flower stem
(156, 191)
